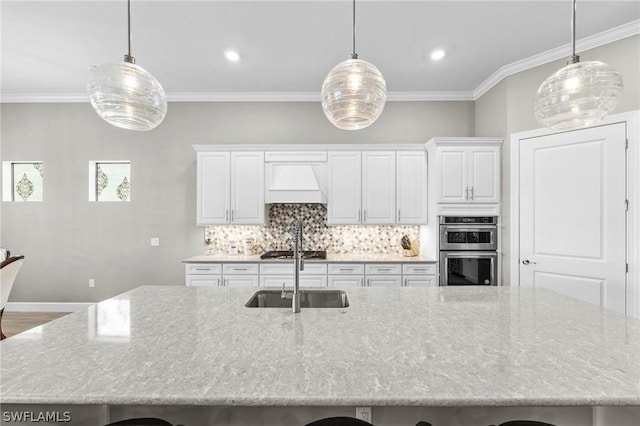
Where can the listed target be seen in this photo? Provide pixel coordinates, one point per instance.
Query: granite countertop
(331, 258)
(438, 346)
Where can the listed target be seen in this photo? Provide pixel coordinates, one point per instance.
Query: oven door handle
(468, 228)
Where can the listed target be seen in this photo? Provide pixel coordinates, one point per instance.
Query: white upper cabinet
(344, 203)
(247, 188)
(378, 187)
(411, 187)
(362, 187)
(467, 171)
(230, 188)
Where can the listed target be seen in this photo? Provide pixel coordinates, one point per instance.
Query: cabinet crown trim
(309, 147)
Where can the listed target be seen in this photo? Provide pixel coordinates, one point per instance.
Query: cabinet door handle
(361, 282)
(218, 282)
(472, 192)
(364, 218)
(466, 193)
(405, 283)
(359, 215)
(226, 215)
(398, 214)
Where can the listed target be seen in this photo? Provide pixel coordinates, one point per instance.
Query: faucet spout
(298, 266)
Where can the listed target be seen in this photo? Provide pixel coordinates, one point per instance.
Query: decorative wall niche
(22, 180)
(109, 180)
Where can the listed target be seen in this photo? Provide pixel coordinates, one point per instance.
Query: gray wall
(67, 240)
(507, 107)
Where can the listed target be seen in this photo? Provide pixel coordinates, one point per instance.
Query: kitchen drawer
(203, 268)
(240, 268)
(420, 281)
(287, 269)
(287, 280)
(383, 281)
(346, 268)
(383, 269)
(419, 269)
(345, 281)
(203, 280)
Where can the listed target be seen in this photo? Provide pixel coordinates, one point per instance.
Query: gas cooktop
(288, 254)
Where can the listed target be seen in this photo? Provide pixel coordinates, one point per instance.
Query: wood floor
(17, 322)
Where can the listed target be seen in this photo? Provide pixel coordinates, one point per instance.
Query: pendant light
(125, 94)
(354, 92)
(578, 95)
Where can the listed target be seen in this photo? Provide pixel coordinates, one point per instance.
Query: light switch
(155, 242)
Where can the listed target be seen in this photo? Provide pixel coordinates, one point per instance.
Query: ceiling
(288, 47)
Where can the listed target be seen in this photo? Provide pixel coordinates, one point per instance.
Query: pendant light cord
(354, 55)
(128, 57)
(573, 58)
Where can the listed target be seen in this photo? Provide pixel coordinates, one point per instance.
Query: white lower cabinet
(383, 274)
(420, 275)
(277, 274)
(337, 275)
(345, 275)
(222, 274)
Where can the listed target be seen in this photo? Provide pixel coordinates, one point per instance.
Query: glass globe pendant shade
(353, 94)
(578, 95)
(127, 96)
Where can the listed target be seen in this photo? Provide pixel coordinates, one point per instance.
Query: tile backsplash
(277, 233)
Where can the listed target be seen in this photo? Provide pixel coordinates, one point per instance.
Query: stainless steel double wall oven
(468, 250)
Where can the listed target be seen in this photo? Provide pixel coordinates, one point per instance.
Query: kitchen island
(414, 349)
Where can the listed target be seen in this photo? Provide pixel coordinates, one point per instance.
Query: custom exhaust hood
(290, 183)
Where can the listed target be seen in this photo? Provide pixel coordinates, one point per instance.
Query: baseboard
(46, 306)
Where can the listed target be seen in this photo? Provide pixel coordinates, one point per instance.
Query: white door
(213, 188)
(247, 187)
(452, 173)
(344, 193)
(379, 187)
(572, 214)
(484, 174)
(411, 187)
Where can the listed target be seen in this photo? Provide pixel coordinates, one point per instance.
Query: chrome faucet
(298, 265)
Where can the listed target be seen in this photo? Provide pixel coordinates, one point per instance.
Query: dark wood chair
(339, 421)
(9, 268)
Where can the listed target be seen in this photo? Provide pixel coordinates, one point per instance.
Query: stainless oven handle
(472, 228)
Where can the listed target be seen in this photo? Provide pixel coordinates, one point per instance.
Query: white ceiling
(287, 47)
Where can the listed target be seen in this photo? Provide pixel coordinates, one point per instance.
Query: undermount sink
(308, 299)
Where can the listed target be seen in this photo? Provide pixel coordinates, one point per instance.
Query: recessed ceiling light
(232, 55)
(437, 54)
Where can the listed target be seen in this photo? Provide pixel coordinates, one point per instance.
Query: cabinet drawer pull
(239, 269)
(347, 269)
(420, 269)
(203, 269)
(383, 269)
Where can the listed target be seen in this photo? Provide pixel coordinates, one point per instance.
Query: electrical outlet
(92, 283)
(363, 413)
(155, 242)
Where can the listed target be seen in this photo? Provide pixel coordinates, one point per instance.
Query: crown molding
(596, 40)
